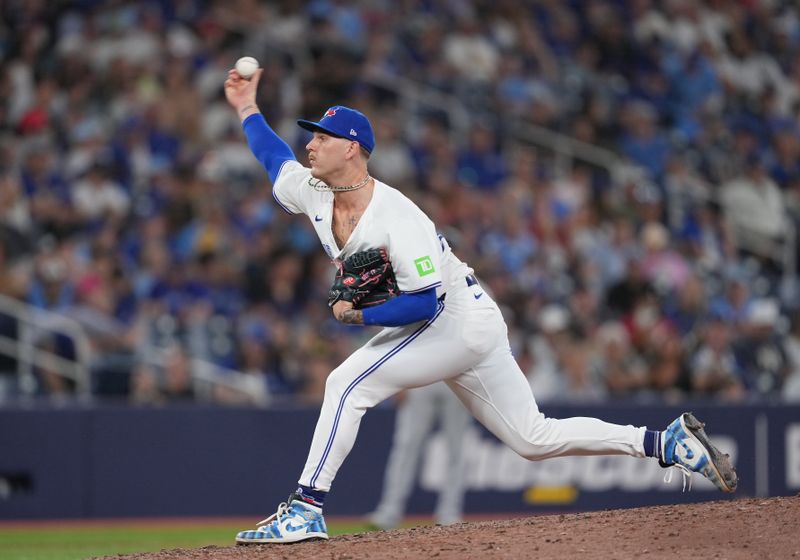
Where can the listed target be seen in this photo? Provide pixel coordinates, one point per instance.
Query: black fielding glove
(365, 279)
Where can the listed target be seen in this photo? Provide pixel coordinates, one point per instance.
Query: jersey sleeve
(415, 254)
(291, 190)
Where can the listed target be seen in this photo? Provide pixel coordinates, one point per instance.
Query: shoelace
(687, 475)
(283, 509)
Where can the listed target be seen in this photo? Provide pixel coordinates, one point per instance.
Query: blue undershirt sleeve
(402, 310)
(267, 146)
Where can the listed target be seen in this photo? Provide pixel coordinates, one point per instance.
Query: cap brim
(312, 126)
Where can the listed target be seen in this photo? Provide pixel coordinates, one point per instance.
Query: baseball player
(415, 419)
(441, 327)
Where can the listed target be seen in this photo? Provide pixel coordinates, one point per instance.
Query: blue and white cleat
(294, 521)
(687, 447)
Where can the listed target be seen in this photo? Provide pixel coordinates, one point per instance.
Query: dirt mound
(747, 528)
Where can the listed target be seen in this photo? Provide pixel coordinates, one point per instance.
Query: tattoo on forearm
(352, 317)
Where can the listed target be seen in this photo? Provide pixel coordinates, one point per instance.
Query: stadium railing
(34, 324)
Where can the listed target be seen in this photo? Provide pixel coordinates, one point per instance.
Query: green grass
(74, 541)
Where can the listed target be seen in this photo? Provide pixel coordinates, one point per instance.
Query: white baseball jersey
(465, 344)
(421, 259)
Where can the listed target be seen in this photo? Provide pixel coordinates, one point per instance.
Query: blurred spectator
(686, 308)
(11, 286)
(696, 87)
(112, 341)
(418, 411)
(665, 268)
(744, 71)
(512, 245)
(572, 193)
(16, 221)
(713, 365)
(96, 197)
(392, 163)
(482, 164)
(51, 286)
(177, 382)
(791, 389)
(709, 241)
(655, 338)
(560, 367)
(738, 296)
(761, 350)
(545, 350)
(643, 142)
(256, 361)
(755, 206)
(129, 197)
(471, 55)
(169, 380)
(624, 371)
(623, 296)
(685, 190)
(785, 170)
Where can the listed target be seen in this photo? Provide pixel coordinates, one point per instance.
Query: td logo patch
(424, 266)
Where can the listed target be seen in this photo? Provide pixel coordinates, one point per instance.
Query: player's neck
(356, 200)
(346, 176)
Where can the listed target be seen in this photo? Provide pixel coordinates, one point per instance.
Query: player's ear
(353, 150)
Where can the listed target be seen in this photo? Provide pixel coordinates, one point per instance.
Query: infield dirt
(730, 529)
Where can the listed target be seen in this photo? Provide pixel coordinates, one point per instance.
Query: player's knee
(524, 449)
(536, 443)
(346, 387)
(336, 383)
(532, 451)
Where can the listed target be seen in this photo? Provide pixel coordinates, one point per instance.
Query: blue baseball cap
(345, 123)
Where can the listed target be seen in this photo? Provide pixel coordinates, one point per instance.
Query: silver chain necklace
(319, 185)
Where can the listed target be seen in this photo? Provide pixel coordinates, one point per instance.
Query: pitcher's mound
(730, 529)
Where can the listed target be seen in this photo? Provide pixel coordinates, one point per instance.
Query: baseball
(246, 66)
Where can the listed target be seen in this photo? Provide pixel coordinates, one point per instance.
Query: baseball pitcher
(440, 325)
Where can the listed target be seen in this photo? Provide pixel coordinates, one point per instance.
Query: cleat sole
(248, 542)
(720, 462)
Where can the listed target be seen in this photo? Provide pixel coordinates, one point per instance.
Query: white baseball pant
(465, 345)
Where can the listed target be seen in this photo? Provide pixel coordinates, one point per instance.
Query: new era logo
(353, 132)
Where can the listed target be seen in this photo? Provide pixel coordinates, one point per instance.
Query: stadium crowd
(130, 202)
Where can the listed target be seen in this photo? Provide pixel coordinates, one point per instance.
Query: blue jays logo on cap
(345, 123)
